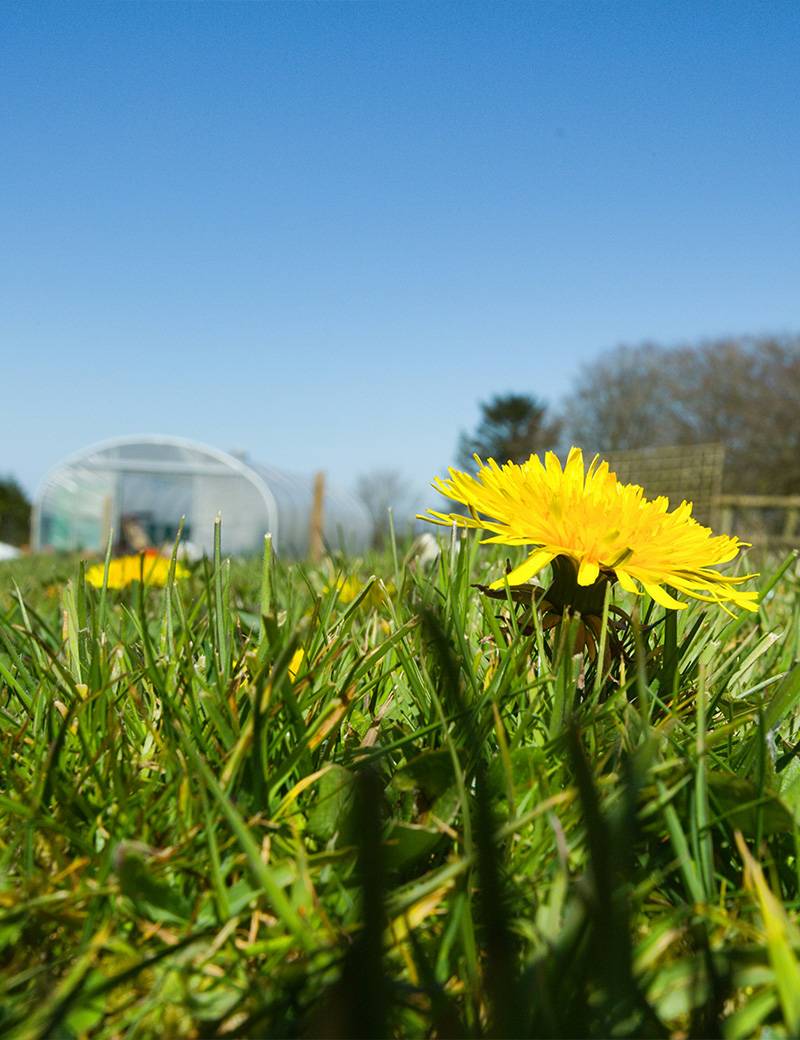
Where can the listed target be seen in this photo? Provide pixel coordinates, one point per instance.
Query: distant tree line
(743, 393)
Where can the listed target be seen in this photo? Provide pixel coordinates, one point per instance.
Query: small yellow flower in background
(294, 665)
(606, 530)
(347, 588)
(149, 566)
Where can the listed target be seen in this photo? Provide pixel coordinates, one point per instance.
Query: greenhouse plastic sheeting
(139, 488)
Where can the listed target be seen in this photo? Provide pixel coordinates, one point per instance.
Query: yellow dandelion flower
(347, 588)
(607, 529)
(149, 567)
(294, 665)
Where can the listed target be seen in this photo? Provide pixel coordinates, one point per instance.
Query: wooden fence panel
(691, 473)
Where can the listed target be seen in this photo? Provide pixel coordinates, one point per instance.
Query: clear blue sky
(325, 231)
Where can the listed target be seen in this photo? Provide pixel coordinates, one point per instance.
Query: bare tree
(743, 393)
(382, 490)
(627, 399)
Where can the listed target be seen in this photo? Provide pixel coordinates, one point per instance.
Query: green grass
(433, 822)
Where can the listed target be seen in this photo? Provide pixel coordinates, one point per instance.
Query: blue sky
(325, 232)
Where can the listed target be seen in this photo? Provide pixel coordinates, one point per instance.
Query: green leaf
(431, 773)
(156, 900)
(740, 801)
(408, 843)
(789, 778)
(526, 765)
(332, 812)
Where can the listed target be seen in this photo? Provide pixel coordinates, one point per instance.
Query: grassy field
(364, 799)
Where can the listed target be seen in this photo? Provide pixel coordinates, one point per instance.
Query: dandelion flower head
(607, 529)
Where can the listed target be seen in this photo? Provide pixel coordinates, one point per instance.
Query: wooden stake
(316, 545)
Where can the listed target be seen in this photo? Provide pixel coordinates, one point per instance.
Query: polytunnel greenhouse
(140, 488)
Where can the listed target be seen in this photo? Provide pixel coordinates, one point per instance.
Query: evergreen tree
(15, 513)
(513, 427)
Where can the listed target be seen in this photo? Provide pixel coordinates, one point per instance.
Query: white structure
(140, 487)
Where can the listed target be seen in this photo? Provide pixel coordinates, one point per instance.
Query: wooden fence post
(316, 544)
(738, 510)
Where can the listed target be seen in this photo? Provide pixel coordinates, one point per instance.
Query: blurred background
(368, 239)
